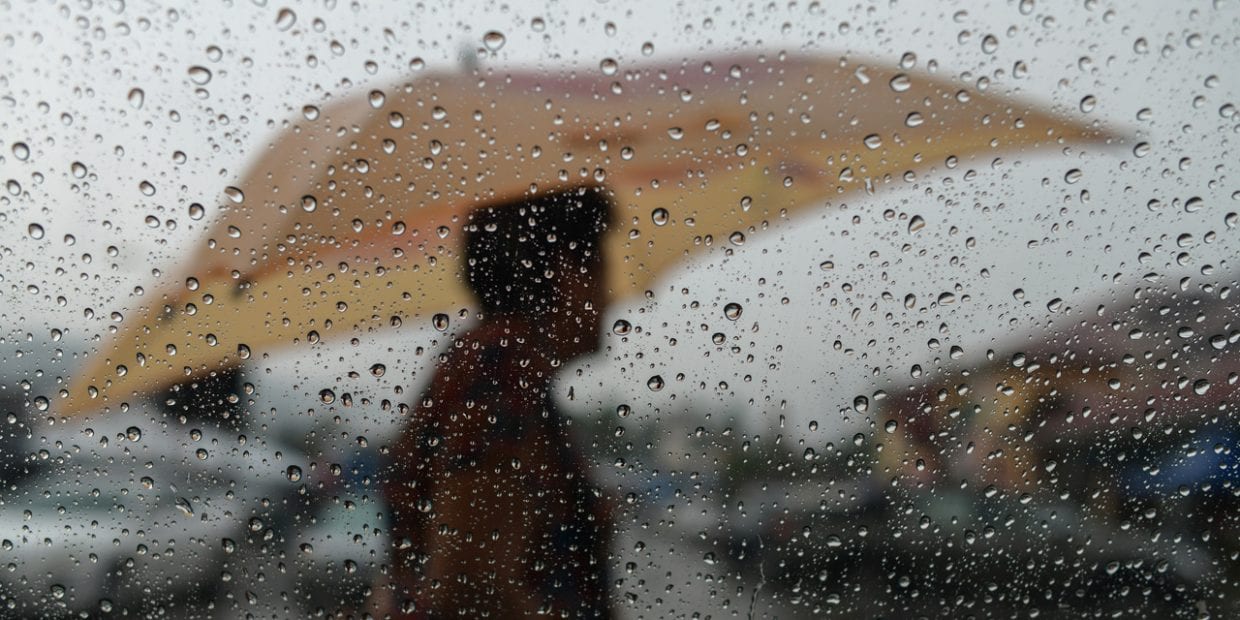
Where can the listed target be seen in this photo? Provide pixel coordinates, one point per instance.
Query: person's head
(541, 258)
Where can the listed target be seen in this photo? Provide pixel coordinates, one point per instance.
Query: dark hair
(511, 248)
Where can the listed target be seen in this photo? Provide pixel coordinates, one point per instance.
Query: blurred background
(991, 391)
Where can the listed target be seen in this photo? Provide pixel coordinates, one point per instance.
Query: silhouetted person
(492, 513)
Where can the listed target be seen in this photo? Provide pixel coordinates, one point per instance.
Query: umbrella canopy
(349, 219)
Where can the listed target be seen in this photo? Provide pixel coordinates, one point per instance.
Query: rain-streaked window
(619, 310)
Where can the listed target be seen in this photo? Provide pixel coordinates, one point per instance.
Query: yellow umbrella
(349, 220)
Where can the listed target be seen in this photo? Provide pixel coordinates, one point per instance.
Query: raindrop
(309, 203)
(377, 99)
(440, 321)
(199, 75)
(1201, 386)
(133, 433)
(732, 311)
(1072, 176)
(293, 473)
(310, 112)
(622, 327)
(1088, 103)
(185, 507)
(234, 194)
(285, 19)
(861, 404)
(659, 216)
(378, 370)
(35, 231)
(915, 224)
(655, 383)
(327, 396)
(873, 141)
(675, 133)
(609, 66)
(196, 211)
(914, 119)
(21, 151)
(900, 83)
(494, 40)
(136, 97)
(891, 426)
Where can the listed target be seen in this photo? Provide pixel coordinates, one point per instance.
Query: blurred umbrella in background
(347, 221)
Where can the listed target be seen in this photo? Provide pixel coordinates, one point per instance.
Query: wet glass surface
(783, 310)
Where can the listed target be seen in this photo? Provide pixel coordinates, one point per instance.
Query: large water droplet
(440, 322)
(494, 40)
(285, 19)
(199, 75)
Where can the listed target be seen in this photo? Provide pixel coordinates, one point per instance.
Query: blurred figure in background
(492, 513)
